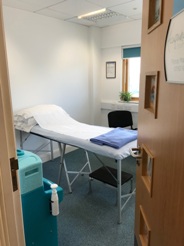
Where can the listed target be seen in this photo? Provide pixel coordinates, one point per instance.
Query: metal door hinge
(14, 167)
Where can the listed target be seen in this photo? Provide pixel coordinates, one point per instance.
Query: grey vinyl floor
(90, 218)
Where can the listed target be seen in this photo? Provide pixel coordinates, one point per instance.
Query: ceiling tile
(42, 3)
(54, 14)
(137, 17)
(17, 4)
(68, 10)
(81, 22)
(108, 3)
(31, 5)
(129, 9)
(75, 8)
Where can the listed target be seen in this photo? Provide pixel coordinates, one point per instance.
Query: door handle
(136, 153)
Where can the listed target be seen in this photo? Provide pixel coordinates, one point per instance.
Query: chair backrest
(120, 118)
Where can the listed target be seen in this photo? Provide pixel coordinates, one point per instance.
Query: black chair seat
(103, 175)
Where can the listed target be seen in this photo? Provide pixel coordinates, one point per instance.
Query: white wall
(110, 88)
(113, 39)
(48, 62)
(128, 33)
(52, 61)
(95, 75)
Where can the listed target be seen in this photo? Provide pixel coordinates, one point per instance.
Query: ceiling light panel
(83, 22)
(101, 22)
(105, 15)
(111, 21)
(97, 12)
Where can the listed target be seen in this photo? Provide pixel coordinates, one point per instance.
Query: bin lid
(30, 171)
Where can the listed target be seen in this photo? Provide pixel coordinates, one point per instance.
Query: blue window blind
(178, 6)
(131, 52)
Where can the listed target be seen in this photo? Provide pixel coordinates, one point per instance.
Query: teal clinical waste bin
(40, 226)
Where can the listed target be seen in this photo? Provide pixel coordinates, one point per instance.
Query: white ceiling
(68, 10)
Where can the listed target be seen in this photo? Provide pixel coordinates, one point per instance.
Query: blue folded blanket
(116, 138)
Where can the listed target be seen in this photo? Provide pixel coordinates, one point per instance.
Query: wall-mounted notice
(174, 50)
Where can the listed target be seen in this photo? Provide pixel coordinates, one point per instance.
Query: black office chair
(120, 118)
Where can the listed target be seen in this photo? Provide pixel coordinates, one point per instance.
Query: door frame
(11, 222)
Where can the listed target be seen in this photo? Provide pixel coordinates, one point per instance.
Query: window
(131, 71)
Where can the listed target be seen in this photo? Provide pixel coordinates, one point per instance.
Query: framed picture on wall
(155, 14)
(111, 70)
(151, 91)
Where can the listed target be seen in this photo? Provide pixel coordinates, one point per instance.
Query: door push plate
(14, 167)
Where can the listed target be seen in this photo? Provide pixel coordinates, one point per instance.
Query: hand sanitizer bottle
(54, 200)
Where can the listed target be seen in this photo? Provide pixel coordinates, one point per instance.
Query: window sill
(131, 106)
(136, 102)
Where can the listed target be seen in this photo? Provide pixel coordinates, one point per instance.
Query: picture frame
(174, 50)
(147, 169)
(144, 229)
(111, 70)
(155, 14)
(151, 92)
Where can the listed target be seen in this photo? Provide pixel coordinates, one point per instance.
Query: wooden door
(11, 225)
(159, 219)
